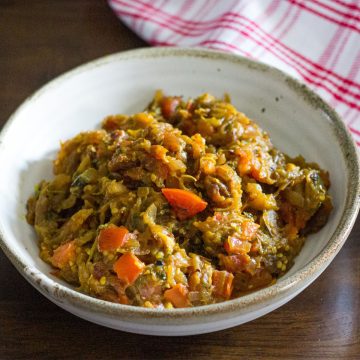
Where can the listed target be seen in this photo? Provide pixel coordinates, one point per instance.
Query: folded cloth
(317, 41)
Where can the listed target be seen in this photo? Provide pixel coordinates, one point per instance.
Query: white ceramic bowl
(298, 121)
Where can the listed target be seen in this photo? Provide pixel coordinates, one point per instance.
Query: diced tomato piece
(239, 243)
(185, 203)
(112, 238)
(128, 268)
(235, 263)
(234, 245)
(64, 254)
(178, 296)
(223, 283)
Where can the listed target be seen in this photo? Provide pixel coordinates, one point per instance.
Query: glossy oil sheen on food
(185, 204)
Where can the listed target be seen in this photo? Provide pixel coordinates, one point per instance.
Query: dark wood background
(40, 39)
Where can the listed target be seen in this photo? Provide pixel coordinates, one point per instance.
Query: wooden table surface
(41, 39)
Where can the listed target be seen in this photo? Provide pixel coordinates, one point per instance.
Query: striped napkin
(317, 41)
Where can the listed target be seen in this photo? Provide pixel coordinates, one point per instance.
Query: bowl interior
(79, 100)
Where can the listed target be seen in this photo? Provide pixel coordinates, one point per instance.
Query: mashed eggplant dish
(185, 204)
